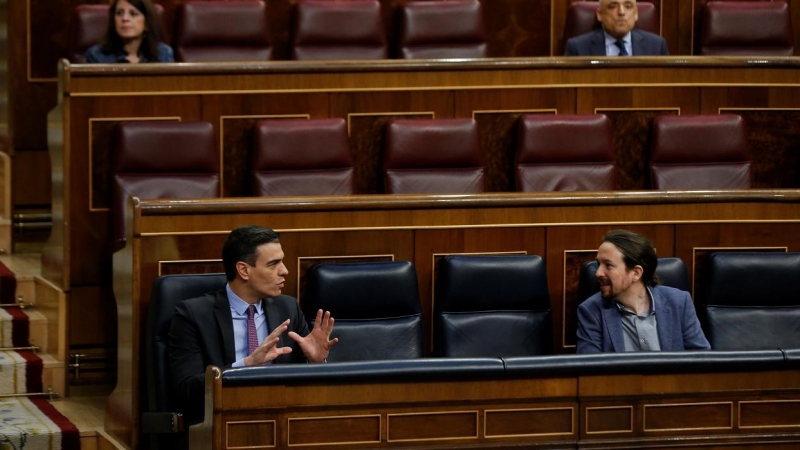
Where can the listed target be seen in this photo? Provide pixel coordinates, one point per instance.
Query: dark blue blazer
(594, 44)
(600, 323)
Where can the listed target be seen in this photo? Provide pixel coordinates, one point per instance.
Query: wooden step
(88, 415)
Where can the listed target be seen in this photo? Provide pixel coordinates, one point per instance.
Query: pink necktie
(252, 334)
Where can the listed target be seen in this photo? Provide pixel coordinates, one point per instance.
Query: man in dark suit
(231, 327)
(632, 312)
(617, 37)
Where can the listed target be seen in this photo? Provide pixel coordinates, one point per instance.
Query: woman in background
(133, 35)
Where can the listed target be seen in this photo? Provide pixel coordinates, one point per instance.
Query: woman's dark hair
(150, 38)
(636, 250)
(242, 245)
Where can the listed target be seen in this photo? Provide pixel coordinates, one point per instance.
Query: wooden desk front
(167, 237)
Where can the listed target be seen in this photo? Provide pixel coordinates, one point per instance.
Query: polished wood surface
(754, 409)
(167, 237)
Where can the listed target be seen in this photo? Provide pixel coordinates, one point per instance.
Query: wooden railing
(634, 400)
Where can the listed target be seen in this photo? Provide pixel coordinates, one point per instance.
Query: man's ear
(243, 270)
(637, 272)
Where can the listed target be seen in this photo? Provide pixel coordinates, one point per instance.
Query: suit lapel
(637, 43)
(614, 328)
(664, 318)
(273, 320)
(598, 44)
(222, 313)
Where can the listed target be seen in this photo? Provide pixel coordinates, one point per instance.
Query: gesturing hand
(318, 343)
(268, 350)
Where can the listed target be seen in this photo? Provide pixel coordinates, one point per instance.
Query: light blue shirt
(611, 46)
(239, 315)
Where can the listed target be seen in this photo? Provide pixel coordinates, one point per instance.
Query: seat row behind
(213, 30)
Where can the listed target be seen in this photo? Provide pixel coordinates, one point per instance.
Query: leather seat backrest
(492, 306)
(582, 18)
(167, 292)
(751, 301)
(442, 29)
(88, 27)
(700, 152)
(155, 159)
(745, 28)
(351, 29)
(215, 30)
(434, 156)
(302, 157)
(376, 307)
(671, 272)
(550, 158)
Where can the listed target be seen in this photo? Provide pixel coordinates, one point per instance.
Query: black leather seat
(492, 306)
(161, 417)
(671, 271)
(751, 301)
(376, 307)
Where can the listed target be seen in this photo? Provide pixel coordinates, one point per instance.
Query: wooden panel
(429, 426)
(608, 419)
(530, 422)
(769, 414)
(250, 434)
(701, 416)
(340, 430)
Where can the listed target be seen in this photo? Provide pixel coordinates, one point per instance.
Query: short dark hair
(636, 250)
(152, 30)
(242, 245)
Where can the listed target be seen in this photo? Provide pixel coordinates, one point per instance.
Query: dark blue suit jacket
(600, 324)
(594, 44)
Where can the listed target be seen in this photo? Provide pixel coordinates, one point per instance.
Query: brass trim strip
(478, 226)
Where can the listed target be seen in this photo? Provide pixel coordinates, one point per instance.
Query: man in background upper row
(617, 37)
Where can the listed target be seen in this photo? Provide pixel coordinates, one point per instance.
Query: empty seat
(302, 157)
(442, 29)
(433, 157)
(700, 152)
(325, 29)
(162, 406)
(550, 158)
(582, 18)
(88, 27)
(671, 272)
(492, 306)
(756, 28)
(153, 160)
(751, 301)
(376, 307)
(214, 30)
